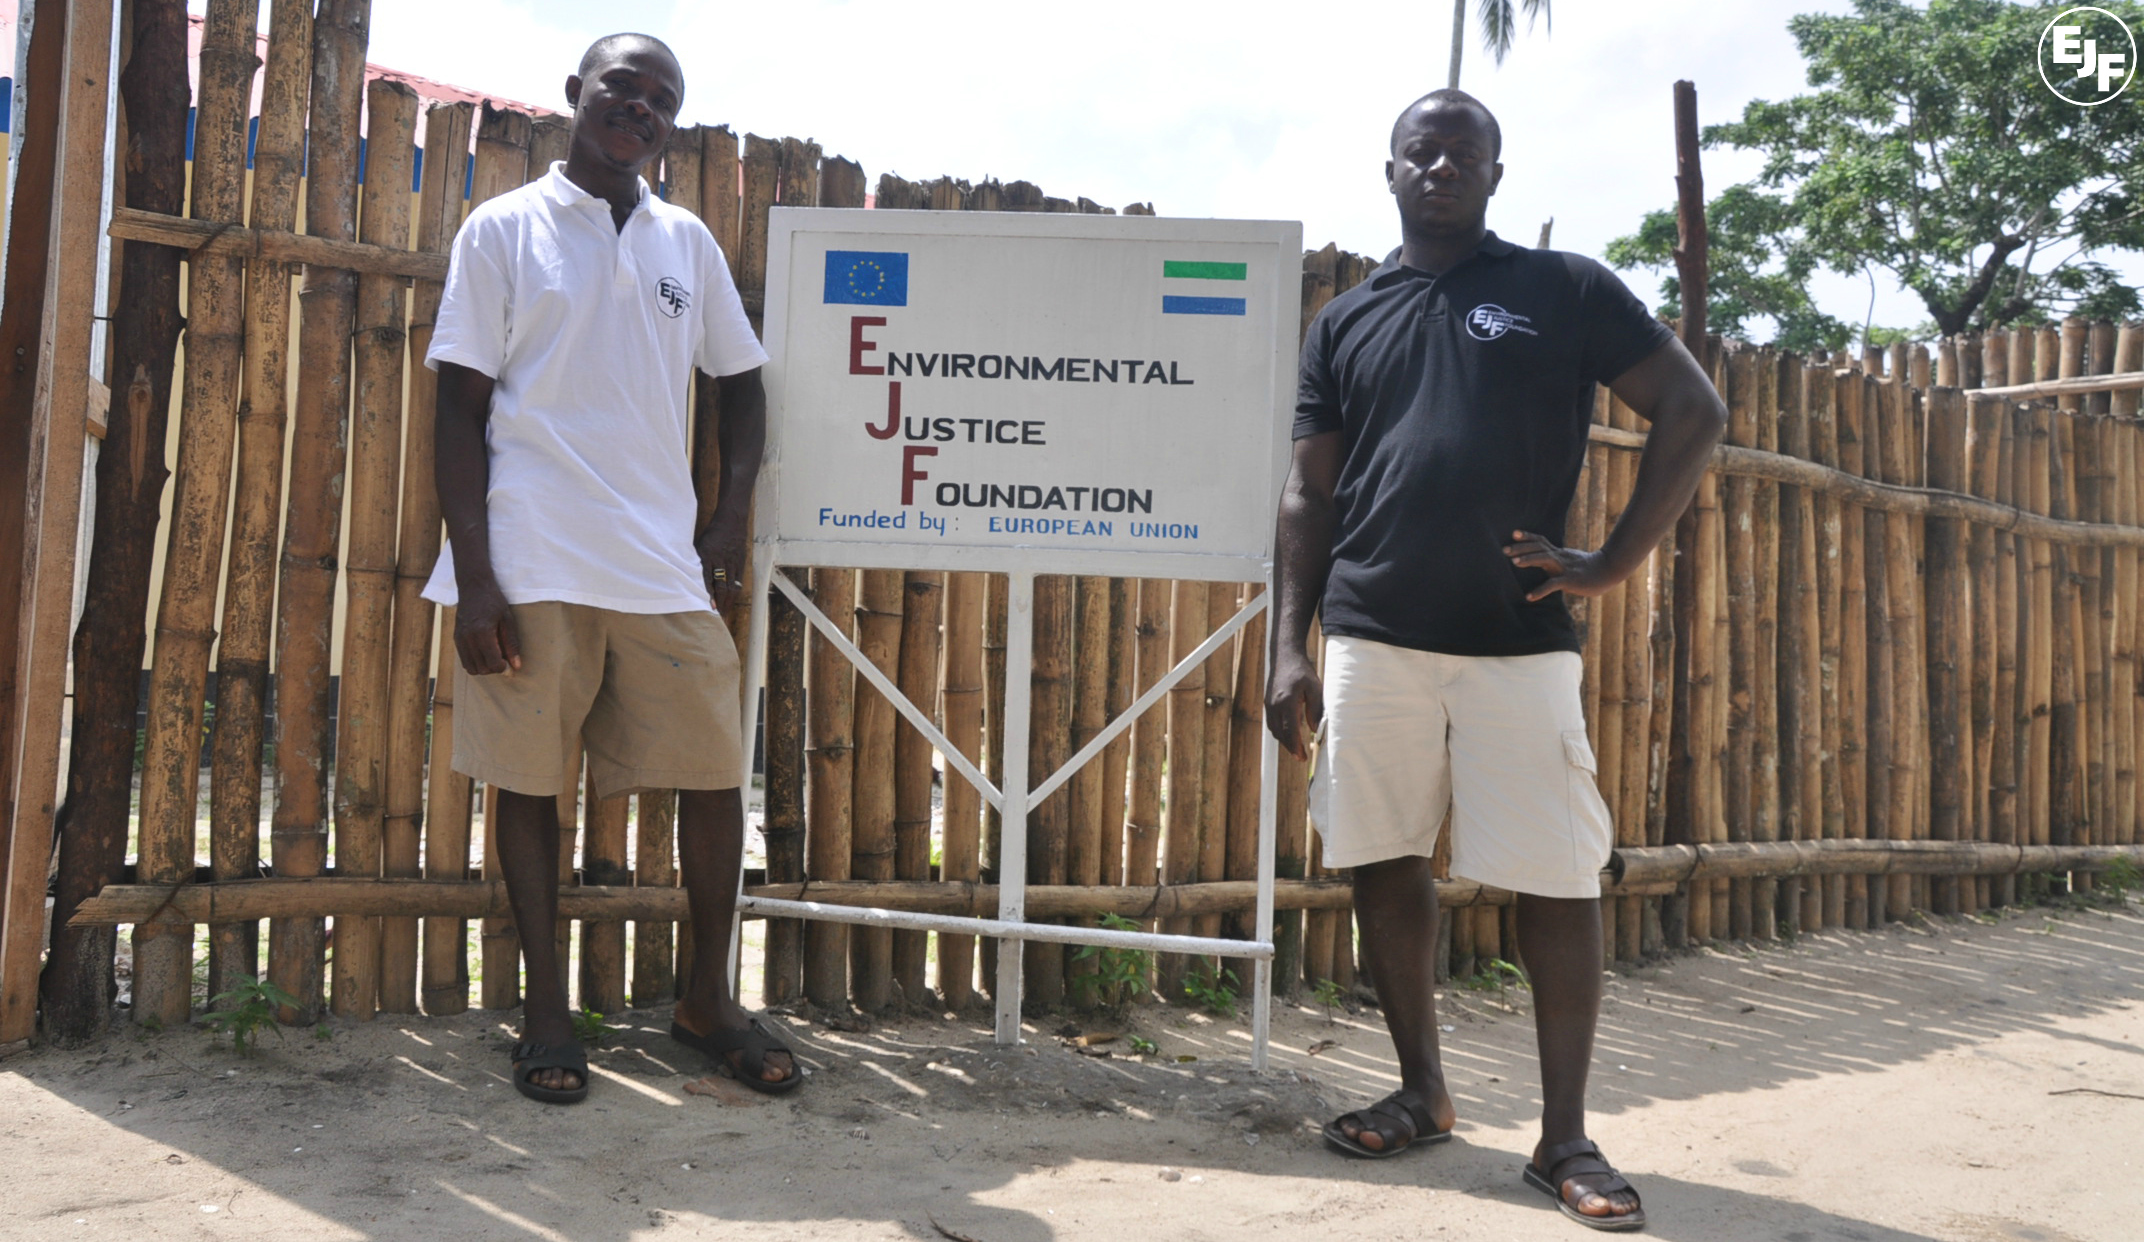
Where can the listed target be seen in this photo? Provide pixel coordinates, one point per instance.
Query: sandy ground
(1943, 1080)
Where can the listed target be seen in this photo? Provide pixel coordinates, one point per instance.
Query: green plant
(323, 1032)
(1328, 994)
(589, 1028)
(1142, 1047)
(2119, 876)
(1119, 975)
(248, 1007)
(1496, 975)
(1215, 989)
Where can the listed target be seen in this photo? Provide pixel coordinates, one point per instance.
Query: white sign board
(1005, 391)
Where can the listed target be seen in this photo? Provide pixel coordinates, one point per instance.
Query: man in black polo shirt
(1440, 428)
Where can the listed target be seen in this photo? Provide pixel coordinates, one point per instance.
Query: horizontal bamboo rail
(204, 237)
(1641, 871)
(1731, 459)
(2082, 385)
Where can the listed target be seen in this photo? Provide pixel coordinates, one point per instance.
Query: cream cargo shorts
(653, 697)
(1499, 741)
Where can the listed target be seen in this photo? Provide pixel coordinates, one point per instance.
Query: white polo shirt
(591, 334)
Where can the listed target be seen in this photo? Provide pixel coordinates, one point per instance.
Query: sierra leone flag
(1196, 287)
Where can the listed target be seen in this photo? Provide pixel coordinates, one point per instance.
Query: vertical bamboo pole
(1764, 513)
(1949, 694)
(871, 836)
(1090, 692)
(1859, 759)
(1707, 680)
(655, 866)
(410, 711)
(193, 557)
(1883, 722)
(1116, 757)
(1903, 616)
(1247, 726)
(2126, 680)
(1049, 826)
(962, 847)
(1983, 458)
(1665, 917)
(922, 607)
(499, 941)
(2003, 805)
(831, 761)
(1187, 743)
(1608, 634)
(1633, 755)
(249, 586)
(375, 451)
(602, 981)
(2040, 666)
(1150, 736)
(996, 606)
(1220, 677)
(1820, 406)
(2066, 739)
(111, 630)
(720, 207)
(783, 977)
(312, 531)
(1799, 725)
(1739, 495)
(569, 829)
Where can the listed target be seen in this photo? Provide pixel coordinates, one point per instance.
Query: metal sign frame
(1024, 791)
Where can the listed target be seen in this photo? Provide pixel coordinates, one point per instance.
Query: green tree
(1930, 150)
(1499, 27)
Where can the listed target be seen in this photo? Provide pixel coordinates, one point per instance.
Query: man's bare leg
(528, 858)
(1396, 906)
(1560, 941)
(710, 846)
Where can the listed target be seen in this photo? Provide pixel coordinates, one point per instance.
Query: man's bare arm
(1670, 391)
(484, 625)
(1303, 553)
(741, 440)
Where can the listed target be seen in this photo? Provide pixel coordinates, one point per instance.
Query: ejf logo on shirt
(1490, 321)
(671, 297)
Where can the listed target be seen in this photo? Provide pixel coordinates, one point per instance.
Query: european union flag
(867, 277)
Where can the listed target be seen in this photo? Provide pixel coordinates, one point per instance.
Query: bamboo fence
(1913, 635)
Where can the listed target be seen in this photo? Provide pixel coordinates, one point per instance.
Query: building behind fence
(1902, 614)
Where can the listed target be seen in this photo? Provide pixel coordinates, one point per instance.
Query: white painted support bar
(1054, 933)
(1143, 702)
(884, 685)
(1012, 835)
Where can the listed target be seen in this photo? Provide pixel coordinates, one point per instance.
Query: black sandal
(755, 1041)
(1590, 1153)
(1403, 1106)
(530, 1057)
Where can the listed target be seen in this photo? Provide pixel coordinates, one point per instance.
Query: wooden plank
(51, 505)
(204, 240)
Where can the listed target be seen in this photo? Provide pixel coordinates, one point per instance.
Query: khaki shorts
(652, 697)
(1499, 741)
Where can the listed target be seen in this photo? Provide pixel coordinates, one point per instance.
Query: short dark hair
(1453, 97)
(609, 43)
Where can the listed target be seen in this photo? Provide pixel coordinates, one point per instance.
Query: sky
(1202, 108)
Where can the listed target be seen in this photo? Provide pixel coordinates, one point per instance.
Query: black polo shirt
(1462, 401)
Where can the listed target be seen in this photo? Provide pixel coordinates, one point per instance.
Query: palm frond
(1500, 23)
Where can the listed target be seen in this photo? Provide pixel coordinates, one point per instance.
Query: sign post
(1027, 394)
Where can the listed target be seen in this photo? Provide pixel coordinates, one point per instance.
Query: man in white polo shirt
(577, 310)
